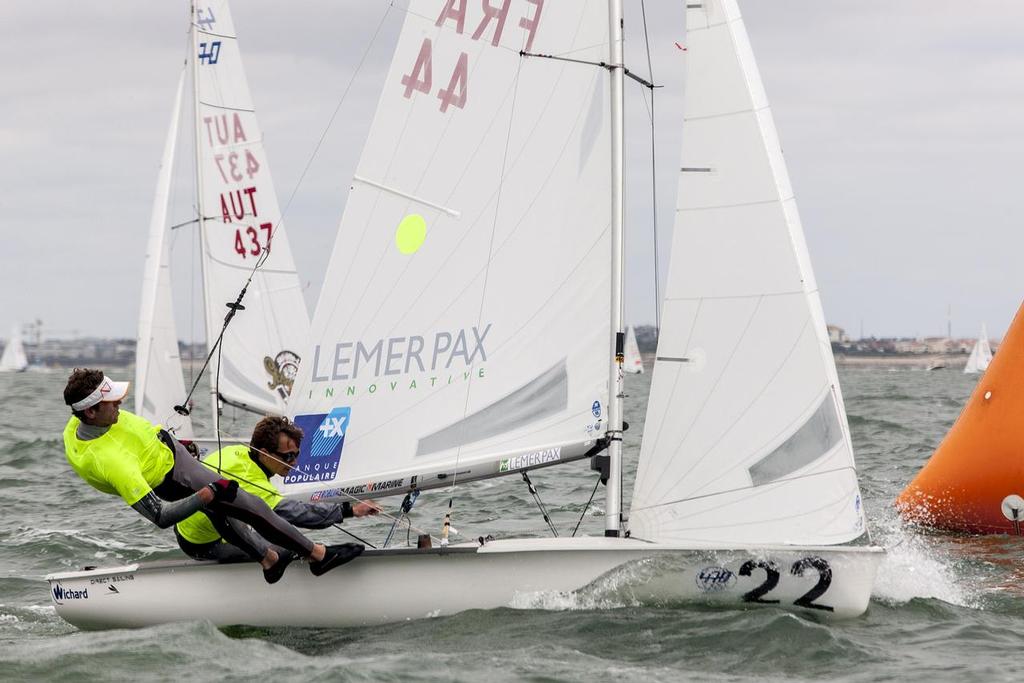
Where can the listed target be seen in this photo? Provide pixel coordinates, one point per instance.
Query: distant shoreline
(912, 360)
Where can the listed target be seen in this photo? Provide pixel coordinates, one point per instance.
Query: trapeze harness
(158, 477)
(201, 537)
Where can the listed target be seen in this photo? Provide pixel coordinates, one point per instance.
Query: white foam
(915, 567)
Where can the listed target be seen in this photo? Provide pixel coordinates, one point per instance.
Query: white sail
(463, 325)
(746, 439)
(981, 354)
(14, 358)
(241, 220)
(159, 384)
(632, 362)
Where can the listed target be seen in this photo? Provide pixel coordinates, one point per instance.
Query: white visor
(108, 390)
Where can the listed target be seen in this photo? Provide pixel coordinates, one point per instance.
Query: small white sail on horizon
(632, 362)
(981, 354)
(14, 358)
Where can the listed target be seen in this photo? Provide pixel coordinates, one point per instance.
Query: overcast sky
(902, 123)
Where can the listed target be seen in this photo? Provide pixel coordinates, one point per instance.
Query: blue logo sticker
(596, 409)
(320, 452)
(715, 579)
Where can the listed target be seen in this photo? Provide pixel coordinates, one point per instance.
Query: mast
(613, 489)
(210, 336)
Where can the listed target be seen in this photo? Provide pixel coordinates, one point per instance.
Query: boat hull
(398, 585)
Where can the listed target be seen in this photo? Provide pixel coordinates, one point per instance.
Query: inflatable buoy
(976, 476)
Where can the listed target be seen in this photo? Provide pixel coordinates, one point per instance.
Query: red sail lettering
(222, 135)
(492, 13)
(531, 24)
(455, 95)
(450, 12)
(239, 131)
(237, 210)
(251, 193)
(420, 79)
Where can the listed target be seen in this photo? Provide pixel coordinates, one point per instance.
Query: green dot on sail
(411, 233)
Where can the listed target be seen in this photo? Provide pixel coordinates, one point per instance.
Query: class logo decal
(60, 594)
(320, 452)
(282, 369)
(715, 579)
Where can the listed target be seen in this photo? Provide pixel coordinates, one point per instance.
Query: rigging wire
(654, 176)
(540, 503)
(483, 288)
(337, 108)
(586, 507)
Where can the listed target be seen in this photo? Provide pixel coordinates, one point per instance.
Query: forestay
(746, 439)
(159, 384)
(240, 221)
(463, 325)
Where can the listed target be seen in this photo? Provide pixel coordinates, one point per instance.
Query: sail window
(547, 394)
(813, 439)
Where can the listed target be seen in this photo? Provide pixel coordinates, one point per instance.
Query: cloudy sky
(902, 123)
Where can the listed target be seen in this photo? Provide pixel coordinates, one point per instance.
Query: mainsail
(981, 354)
(463, 327)
(746, 439)
(159, 384)
(14, 358)
(239, 222)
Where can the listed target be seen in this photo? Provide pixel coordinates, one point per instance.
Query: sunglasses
(290, 456)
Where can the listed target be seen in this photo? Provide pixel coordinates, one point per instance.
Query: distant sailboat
(981, 354)
(14, 358)
(633, 363)
(238, 220)
(974, 477)
(434, 361)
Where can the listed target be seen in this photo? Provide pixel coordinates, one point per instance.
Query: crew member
(273, 450)
(123, 454)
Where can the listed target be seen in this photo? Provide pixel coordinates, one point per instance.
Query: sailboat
(14, 358)
(981, 354)
(973, 481)
(471, 326)
(633, 363)
(238, 220)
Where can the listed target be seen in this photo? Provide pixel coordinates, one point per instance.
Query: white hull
(399, 584)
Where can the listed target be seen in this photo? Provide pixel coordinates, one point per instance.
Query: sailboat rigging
(471, 326)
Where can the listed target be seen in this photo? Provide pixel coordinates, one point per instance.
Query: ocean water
(943, 607)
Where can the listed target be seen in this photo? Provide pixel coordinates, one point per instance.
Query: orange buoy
(979, 466)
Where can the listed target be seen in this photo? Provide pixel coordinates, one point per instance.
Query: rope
(586, 507)
(540, 504)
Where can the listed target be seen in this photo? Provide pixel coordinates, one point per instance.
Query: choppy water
(943, 607)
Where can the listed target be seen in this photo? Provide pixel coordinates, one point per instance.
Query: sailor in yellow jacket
(122, 454)
(273, 450)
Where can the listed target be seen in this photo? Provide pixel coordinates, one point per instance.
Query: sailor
(273, 450)
(123, 454)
